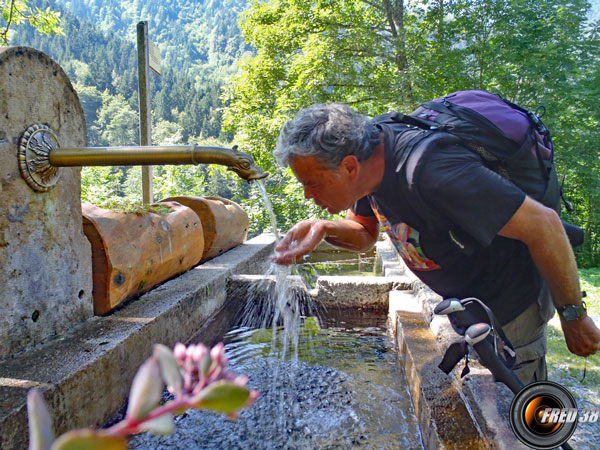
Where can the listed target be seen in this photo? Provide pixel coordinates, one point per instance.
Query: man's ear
(350, 165)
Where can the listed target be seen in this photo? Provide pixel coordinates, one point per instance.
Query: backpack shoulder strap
(412, 167)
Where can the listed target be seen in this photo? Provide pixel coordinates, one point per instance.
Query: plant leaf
(169, 368)
(161, 425)
(41, 435)
(88, 439)
(146, 390)
(222, 396)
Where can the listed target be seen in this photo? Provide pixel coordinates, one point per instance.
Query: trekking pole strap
(461, 320)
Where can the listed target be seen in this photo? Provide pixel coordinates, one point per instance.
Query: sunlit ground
(566, 368)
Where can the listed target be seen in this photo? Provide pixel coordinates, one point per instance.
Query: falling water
(284, 310)
(269, 207)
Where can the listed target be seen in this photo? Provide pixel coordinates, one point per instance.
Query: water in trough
(328, 380)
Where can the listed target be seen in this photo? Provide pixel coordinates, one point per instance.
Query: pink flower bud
(179, 351)
(241, 380)
(218, 352)
(198, 353)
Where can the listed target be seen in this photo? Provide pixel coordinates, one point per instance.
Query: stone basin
(85, 374)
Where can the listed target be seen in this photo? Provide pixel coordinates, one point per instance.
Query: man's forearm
(541, 230)
(357, 233)
(553, 255)
(349, 234)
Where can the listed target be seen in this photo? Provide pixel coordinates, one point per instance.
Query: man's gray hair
(329, 132)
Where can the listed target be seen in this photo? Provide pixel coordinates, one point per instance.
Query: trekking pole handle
(487, 355)
(477, 333)
(448, 306)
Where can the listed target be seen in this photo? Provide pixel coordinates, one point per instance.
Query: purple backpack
(511, 140)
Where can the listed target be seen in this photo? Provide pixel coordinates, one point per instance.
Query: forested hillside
(194, 36)
(200, 46)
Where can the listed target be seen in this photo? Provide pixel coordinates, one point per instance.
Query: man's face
(331, 189)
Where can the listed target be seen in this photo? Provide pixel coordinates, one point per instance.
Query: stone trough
(85, 373)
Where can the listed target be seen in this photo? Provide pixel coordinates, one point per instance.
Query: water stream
(269, 208)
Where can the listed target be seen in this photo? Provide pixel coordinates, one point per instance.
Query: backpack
(511, 141)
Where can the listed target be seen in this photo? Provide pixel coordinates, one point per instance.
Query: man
(460, 227)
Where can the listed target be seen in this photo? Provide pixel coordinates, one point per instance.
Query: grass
(121, 205)
(566, 368)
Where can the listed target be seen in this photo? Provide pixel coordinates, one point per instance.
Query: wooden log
(132, 252)
(224, 222)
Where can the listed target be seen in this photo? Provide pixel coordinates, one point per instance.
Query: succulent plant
(197, 378)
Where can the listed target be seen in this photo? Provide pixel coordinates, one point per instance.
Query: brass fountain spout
(40, 156)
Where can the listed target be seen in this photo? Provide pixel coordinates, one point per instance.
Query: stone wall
(45, 260)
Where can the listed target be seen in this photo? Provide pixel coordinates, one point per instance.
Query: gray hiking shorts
(527, 333)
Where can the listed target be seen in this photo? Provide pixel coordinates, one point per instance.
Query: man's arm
(541, 230)
(355, 233)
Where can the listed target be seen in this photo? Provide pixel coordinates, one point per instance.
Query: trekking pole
(478, 335)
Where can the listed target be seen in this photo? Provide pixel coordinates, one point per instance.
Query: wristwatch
(572, 312)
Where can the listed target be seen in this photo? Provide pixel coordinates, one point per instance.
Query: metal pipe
(141, 156)
(238, 162)
(40, 155)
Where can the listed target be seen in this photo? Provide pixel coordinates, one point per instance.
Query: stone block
(45, 259)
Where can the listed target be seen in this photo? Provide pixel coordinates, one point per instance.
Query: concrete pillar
(45, 259)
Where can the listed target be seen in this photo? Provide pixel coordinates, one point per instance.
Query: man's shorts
(527, 333)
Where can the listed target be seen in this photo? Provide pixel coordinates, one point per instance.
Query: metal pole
(144, 102)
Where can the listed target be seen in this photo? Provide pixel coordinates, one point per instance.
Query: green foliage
(16, 12)
(117, 122)
(97, 50)
(99, 184)
(383, 55)
(590, 283)
(126, 206)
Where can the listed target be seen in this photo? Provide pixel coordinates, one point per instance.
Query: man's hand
(582, 336)
(299, 241)
(356, 233)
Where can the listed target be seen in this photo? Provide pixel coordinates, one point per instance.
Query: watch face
(571, 312)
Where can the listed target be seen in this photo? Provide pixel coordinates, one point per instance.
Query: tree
(117, 121)
(15, 12)
(381, 55)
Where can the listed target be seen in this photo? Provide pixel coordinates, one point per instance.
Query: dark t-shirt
(443, 218)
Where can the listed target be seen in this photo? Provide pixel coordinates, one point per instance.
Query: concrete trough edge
(330, 291)
(444, 416)
(85, 374)
(486, 402)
